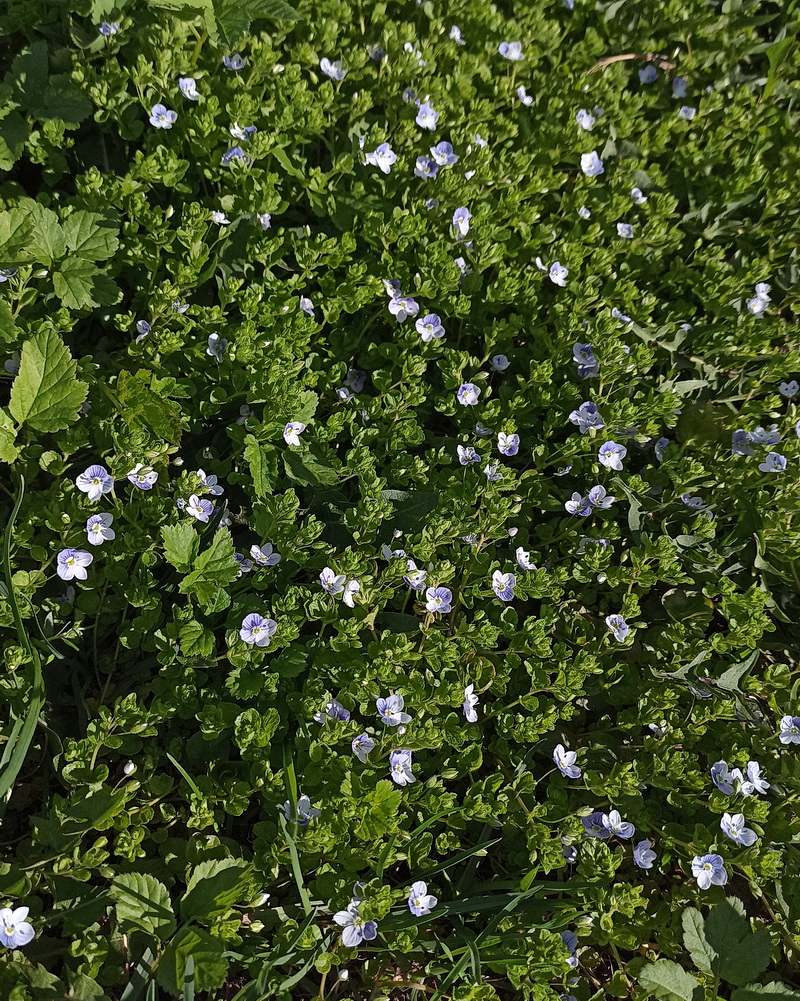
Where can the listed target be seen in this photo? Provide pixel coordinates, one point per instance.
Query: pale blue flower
(234, 153)
(789, 389)
(467, 454)
(95, 481)
(524, 97)
(565, 762)
(332, 69)
(336, 711)
(591, 164)
(467, 394)
(570, 940)
(583, 355)
(188, 87)
(455, 34)
(500, 363)
(234, 62)
(754, 783)
(643, 855)
(420, 902)
(659, 448)
(245, 565)
(400, 767)
(790, 730)
(401, 307)
(687, 113)
(292, 431)
(427, 117)
(740, 443)
(507, 444)
(587, 417)
(201, 509)
(99, 530)
(15, 931)
(584, 213)
(679, 85)
(503, 585)
(614, 823)
(390, 710)
(625, 230)
(108, 28)
(256, 630)
(708, 870)
(648, 73)
(492, 472)
(511, 50)
(558, 274)
(220, 218)
(617, 314)
(598, 497)
(637, 196)
(611, 455)
(216, 347)
(442, 154)
(161, 117)
(723, 778)
(71, 564)
(578, 506)
(143, 477)
(438, 599)
(362, 745)
(305, 811)
(426, 168)
(429, 327)
(331, 582)
(618, 626)
(382, 157)
(264, 555)
(6, 273)
(461, 219)
(265, 219)
(585, 120)
(376, 52)
(774, 463)
(523, 559)
(209, 481)
(733, 825)
(594, 826)
(469, 704)
(355, 929)
(694, 503)
(415, 578)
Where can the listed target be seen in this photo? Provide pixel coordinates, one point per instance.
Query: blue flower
(585, 120)
(427, 117)
(740, 443)
(382, 157)
(292, 432)
(426, 168)
(687, 113)
(333, 70)
(774, 463)
(467, 454)
(637, 196)
(234, 153)
(306, 305)
(579, 506)
(708, 870)
(257, 630)
(71, 564)
(305, 811)
(467, 394)
(625, 230)
(492, 472)
(659, 448)
(511, 50)
(99, 530)
(754, 782)
(336, 711)
(438, 599)
(694, 503)
(415, 578)
(611, 455)
(245, 565)
(455, 34)
(355, 929)
(723, 778)
(614, 823)
(507, 444)
(648, 73)
(95, 481)
(234, 62)
(188, 88)
(161, 118)
(570, 940)
(429, 327)
(587, 417)
(584, 213)
(558, 274)
(461, 219)
(201, 509)
(643, 856)
(523, 559)
(618, 626)
(524, 96)
(401, 307)
(583, 356)
(591, 164)
(790, 730)
(265, 556)
(594, 826)
(142, 477)
(503, 585)
(390, 710)
(15, 931)
(400, 767)
(679, 85)
(500, 363)
(598, 497)
(443, 155)
(468, 706)
(420, 902)
(565, 762)
(362, 745)
(108, 28)
(216, 346)
(6, 273)
(265, 218)
(733, 826)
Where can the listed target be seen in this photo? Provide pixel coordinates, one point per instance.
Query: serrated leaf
(308, 469)
(277, 9)
(90, 236)
(141, 406)
(45, 395)
(46, 242)
(8, 435)
(210, 967)
(13, 136)
(217, 562)
(379, 811)
(742, 954)
(233, 21)
(195, 640)
(80, 284)
(65, 103)
(773, 991)
(143, 903)
(703, 955)
(15, 226)
(214, 887)
(181, 543)
(410, 506)
(263, 463)
(667, 981)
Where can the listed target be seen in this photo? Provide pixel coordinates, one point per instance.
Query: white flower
(524, 96)
(15, 931)
(470, 701)
(585, 120)
(332, 582)
(333, 70)
(524, 559)
(591, 164)
(99, 530)
(292, 431)
(265, 556)
(351, 589)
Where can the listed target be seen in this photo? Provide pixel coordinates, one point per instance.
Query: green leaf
(46, 243)
(232, 21)
(46, 396)
(703, 955)
(380, 812)
(15, 227)
(217, 562)
(8, 435)
(196, 641)
(64, 102)
(80, 284)
(776, 53)
(410, 506)
(214, 887)
(263, 462)
(254, 729)
(140, 406)
(210, 966)
(308, 469)
(181, 543)
(90, 236)
(742, 954)
(143, 903)
(773, 991)
(669, 982)
(13, 136)
(277, 9)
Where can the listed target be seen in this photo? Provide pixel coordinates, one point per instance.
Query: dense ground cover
(399, 444)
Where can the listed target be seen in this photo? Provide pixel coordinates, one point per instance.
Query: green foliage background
(150, 885)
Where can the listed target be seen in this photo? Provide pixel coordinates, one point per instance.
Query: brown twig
(661, 61)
